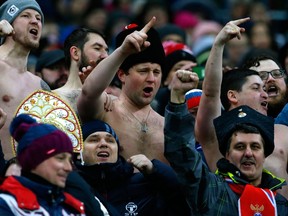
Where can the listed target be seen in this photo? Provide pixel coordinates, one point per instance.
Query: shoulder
(5, 67)
(24, 196)
(280, 132)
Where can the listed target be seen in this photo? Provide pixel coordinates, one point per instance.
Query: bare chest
(139, 134)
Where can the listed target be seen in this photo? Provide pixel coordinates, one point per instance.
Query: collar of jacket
(230, 171)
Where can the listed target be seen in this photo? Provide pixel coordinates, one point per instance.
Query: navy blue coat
(134, 193)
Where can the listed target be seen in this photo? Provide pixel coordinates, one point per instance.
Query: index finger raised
(240, 21)
(149, 25)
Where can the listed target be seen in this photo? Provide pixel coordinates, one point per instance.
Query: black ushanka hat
(154, 53)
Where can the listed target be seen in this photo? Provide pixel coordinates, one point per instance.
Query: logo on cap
(12, 10)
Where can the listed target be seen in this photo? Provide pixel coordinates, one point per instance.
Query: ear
(227, 155)
(232, 96)
(75, 53)
(121, 75)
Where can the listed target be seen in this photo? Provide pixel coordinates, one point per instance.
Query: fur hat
(226, 124)
(193, 98)
(12, 8)
(37, 141)
(154, 53)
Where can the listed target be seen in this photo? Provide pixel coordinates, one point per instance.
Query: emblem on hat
(12, 10)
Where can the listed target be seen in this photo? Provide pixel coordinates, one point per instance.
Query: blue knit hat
(12, 8)
(37, 141)
(96, 125)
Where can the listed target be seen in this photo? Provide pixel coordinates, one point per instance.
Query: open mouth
(34, 32)
(103, 154)
(148, 90)
(264, 104)
(272, 91)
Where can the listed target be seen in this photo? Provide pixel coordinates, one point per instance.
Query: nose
(264, 94)
(104, 54)
(68, 165)
(35, 20)
(151, 76)
(103, 143)
(248, 152)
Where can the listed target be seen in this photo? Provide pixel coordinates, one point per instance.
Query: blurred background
(201, 20)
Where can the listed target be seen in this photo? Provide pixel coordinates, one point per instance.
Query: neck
(14, 56)
(131, 106)
(73, 81)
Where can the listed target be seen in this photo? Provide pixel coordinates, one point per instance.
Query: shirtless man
(82, 47)
(21, 27)
(139, 60)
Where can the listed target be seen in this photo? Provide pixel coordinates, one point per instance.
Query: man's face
(28, 28)
(253, 95)
(142, 82)
(94, 49)
(276, 88)
(246, 152)
(100, 147)
(55, 75)
(55, 169)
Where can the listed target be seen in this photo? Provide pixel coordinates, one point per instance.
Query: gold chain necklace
(144, 126)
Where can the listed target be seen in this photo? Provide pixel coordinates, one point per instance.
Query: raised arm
(6, 28)
(210, 104)
(92, 98)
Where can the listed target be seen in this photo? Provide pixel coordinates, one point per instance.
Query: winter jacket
(134, 193)
(81, 190)
(22, 196)
(206, 192)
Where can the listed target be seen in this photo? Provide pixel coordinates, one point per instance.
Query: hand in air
(5, 28)
(136, 41)
(182, 81)
(231, 30)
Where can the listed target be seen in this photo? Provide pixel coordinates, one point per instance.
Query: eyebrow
(98, 44)
(98, 135)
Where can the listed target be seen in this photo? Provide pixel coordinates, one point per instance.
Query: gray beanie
(12, 8)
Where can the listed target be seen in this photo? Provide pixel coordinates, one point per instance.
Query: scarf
(254, 201)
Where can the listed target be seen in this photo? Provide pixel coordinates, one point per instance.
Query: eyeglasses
(276, 74)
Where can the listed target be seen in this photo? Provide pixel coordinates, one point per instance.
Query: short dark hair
(254, 61)
(78, 38)
(243, 128)
(234, 80)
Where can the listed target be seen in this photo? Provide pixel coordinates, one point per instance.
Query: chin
(61, 184)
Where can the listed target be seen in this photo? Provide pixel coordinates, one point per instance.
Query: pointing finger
(149, 25)
(240, 21)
